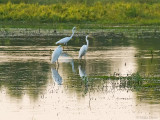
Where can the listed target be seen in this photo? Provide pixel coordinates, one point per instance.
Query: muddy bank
(112, 32)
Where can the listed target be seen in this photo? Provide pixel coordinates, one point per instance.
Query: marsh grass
(116, 13)
(134, 80)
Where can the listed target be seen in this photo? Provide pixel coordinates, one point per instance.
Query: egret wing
(55, 55)
(63, 40)
(82, 51)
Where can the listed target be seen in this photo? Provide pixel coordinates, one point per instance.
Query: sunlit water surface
(33, 89)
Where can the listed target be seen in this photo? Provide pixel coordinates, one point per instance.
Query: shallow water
(32, 88)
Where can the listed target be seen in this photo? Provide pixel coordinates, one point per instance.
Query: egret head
(89, 36)
(74, 28)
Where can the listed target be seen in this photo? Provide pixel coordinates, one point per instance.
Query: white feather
(83, 49)
(63, 40)
(66, 39)
(55, 55)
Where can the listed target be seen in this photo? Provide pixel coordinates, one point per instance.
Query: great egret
(83, 49)
(55, 55)
(66, 39)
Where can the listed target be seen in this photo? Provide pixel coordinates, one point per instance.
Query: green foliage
(78, 1)
(99, 12)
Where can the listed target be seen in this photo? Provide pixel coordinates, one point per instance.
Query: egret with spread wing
(66, 39)
(55, 55)
(83, 49)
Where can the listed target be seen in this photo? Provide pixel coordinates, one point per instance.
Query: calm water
(33, 89)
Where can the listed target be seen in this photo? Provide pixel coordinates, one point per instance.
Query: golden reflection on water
(69, 93)
(56, 103)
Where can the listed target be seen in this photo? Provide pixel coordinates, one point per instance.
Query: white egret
(83, 49)
(66, 39)
(56, 53)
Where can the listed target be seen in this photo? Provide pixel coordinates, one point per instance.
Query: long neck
(87, 42)
(72, 33)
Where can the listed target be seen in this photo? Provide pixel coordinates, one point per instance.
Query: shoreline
(128, 31)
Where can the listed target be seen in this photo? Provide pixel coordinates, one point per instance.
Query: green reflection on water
(20, 78)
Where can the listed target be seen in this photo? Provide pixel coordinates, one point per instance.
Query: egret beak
(90, 36)
(77, 27)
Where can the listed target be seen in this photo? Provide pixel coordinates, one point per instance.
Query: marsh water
(31, 88)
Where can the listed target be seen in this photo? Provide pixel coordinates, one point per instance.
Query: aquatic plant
(134, 80)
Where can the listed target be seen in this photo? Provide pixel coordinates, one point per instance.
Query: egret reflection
(82, 72)
(66, 58)
(83, 75)
(56, 77)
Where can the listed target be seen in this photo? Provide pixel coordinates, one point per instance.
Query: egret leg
(50, 54)
(67, 46)
(58, 64)
(85, 59)
(50, 51)
(55, 64)
(80, 58)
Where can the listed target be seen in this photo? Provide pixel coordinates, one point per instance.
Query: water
(33, 89)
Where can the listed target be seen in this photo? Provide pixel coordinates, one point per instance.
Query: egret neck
(87, 41)
(72, 33)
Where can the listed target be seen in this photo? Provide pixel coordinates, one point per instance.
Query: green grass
(78, 1)
(97, 14)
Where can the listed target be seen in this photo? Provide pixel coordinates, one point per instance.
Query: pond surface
(33, 89)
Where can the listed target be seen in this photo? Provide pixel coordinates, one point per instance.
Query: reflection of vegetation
(134, 80)
(147, 87)
(149, 44)
(21, 78)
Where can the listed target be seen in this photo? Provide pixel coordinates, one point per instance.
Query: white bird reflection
(84, 77)
(66, 58)
(82, 73)
(55, 76)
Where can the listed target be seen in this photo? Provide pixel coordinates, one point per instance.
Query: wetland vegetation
(34, 14)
